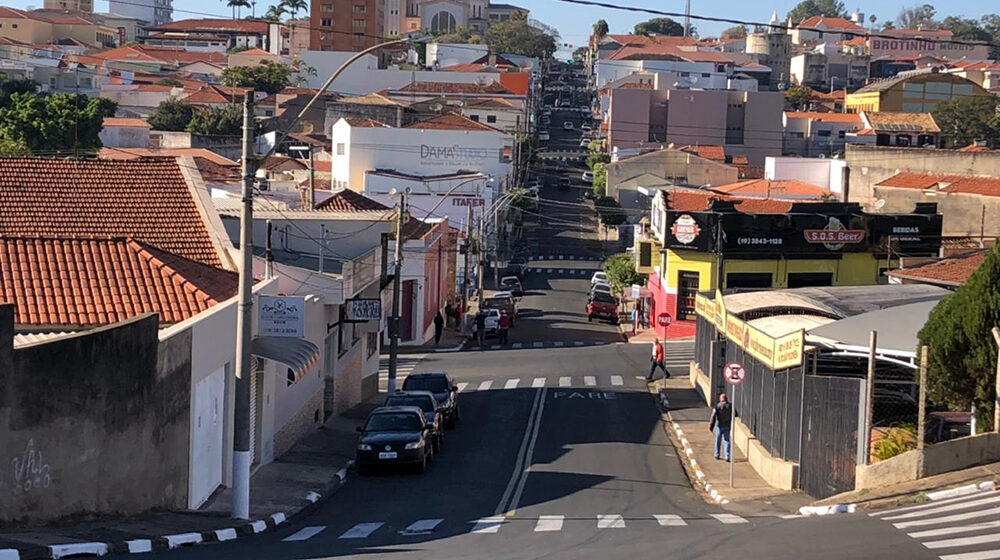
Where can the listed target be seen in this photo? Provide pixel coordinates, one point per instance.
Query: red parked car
(602, 306)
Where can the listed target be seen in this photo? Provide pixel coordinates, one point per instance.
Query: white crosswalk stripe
(669, 520)
(488, 525)
(422, 526)
(485, 385)
(617, 380)
(961, 528)
(305, 533)
(564, 381)
(538, 382)
(511, 383)
(728, 518)
(549, 523)
(361, 530)
(589, 380)
(462, 386)
(610, 521)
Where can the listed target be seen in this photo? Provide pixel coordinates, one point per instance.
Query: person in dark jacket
(438, 328)
(481, 327)
(721, 423)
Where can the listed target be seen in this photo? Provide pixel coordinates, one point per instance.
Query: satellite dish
(880, 204)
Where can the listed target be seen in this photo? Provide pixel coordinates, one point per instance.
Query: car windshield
(423, 402)
(600, 297)
(497, 302)
(394, 422)
(432, 384)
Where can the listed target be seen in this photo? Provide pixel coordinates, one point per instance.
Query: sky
(574, 21)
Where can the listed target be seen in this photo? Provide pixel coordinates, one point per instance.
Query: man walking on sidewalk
(503, 325)
(721, 423)
(438, 328)
(481, 327)
(656, 360)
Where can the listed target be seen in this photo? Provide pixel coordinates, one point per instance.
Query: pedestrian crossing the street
(566, 381)
(964, 527)
(499, 524)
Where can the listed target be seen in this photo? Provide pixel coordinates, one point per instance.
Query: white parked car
(588, 177)
(585, 142)
(600, 288)
(586, 128)
(543, 136)
(599, 278)
(567, 125)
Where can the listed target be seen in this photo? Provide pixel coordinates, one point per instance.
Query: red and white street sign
(734, 373)
(664, 319)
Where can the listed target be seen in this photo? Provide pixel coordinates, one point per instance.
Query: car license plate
(387, 455)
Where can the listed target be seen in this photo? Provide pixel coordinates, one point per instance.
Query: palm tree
(236, 5)
(293, 6)
(600, 28)
(275, 13)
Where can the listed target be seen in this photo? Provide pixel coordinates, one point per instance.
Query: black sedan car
(426, 402)
(395, 435)
(444, 390)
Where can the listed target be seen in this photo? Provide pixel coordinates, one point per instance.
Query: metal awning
(298, 354)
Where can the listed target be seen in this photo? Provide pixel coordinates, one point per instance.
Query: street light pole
(396, 288)
(244, 323)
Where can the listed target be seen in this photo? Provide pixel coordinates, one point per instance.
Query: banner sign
(281, 316)
(775, 353)
(359, 310)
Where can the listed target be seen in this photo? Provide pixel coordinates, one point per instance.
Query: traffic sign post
(735, 373)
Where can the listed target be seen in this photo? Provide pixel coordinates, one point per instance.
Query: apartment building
(346, 25)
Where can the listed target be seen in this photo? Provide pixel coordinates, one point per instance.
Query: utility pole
(312, 179)
(396, 287)
(481, 254)
(244, 323)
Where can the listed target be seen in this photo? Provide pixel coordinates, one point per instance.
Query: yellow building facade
(911, 92)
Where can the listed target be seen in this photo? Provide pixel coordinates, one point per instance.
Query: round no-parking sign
(734, 373)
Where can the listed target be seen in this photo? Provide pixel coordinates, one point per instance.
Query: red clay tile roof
(763, 206)
(668, 52)
(943, 182)
(138, 153)
(165, 55)
(715, 153)
(471, 67)
(288, 163)
(447, 87)
(212, 172)
(146, 199)
(635, 86)
(351, 201)
(831, 23)
(781, 190)
(88, 282)
(365, 123)
(132, 123)
(207, 24)
(700, 201)
(852, 118)
(450, 121)
(951, 271)
(414, 229)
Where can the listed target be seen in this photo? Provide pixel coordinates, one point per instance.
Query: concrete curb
(809, 511)
(882, 503)
(699, 475)
(177, 540)
(961, 490)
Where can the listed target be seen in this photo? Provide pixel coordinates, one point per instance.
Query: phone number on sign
(759, 241)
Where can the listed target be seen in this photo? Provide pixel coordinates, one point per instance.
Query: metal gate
(830, 434)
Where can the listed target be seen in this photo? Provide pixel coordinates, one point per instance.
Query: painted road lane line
(728, 518)
(617, 380)
(669, 520)
(564, 381)
(462, 386)
(516, 499)
(485, 386)
(422, 526)
(610, 521)
(512, 483)
(549, 523)
(537, 382)
(512, 383)
(304, 534)
(361, 530)
(955, 530)
(487, 525)
(964, 541)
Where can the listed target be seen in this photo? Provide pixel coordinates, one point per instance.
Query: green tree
(991, 23)
(236, 5)
(596, 158)
(736, 32)
(965, 29)
(10, 87)
(609, 211)
(303, 72)
(809, 8)
(295, 6)
(274, 13)
(268, 76)
(600, 28)
(966, 120)
(799, 97)
(13, 148)
(55, 123)
(621, 272)
(459, 35)
(227, 121)
(660, 26)
(515, 36)
(918, 16)
(172, 115)
(169, 82)
(962, 355)
(600, 184)
(580, 53)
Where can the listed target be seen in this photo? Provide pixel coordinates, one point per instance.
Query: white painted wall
(450, 54)
(505, 119)
(611, 70)
(415, 151)
(824, 172)
(289, 399)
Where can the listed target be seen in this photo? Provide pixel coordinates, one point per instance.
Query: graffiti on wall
(30, 470)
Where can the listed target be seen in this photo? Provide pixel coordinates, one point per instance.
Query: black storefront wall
(809, 230)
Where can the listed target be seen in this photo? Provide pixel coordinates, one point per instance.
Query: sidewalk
(910, 492)
(310, 472)
(687, 424)
(451, 341)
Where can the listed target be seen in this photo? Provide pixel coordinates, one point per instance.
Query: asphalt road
(559, 454)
